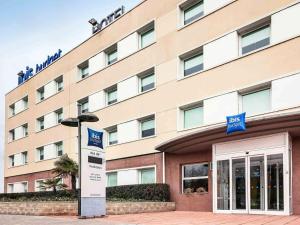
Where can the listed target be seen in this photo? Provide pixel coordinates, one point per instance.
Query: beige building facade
(162, 79)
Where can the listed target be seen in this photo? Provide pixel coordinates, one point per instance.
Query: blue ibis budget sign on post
(236, 123)
(93, 173)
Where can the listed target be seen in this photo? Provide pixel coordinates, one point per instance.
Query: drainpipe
(164, 168)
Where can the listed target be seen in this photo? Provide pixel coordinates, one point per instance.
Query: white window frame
(110, 130)
(11, 159)
(145, 119)
(36, 188)
(59, 83)
(12, 189)
(57, 144)
(82, 102)
(109, 90)
(185, 5)
(40, 94)
(143, 75)
(253, 27)
(145, 29)
(108, 52)
(253, 90)
(188, 55)
(59, 113)
(25, 129)
(38, 153)
(146, 168)
(24, 159)
(193, 178)
(41, 123)
(114, 172)
(181, 112)
(81, 67)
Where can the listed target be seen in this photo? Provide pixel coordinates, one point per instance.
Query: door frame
(287, 177)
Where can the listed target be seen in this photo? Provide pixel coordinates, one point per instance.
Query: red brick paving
(201, 218)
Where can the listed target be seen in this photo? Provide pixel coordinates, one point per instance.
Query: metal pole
(79, 161)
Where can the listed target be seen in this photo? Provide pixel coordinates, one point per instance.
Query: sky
(30, 30)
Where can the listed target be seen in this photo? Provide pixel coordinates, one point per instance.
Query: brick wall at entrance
(138, 161)
(70, 208)
(188, 202)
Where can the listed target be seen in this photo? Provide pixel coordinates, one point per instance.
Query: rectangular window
(41, 123)
(59, 148)
(112, 179)
(193, 64)
(112, 95)
(25, 186)
(256, 102)
(12, 109)
(192, 11)
(59, 84)
(83, 69)
(25, 130)
(25, 102)
(84, 105)
(147, 82)
(193, 117)
(24, 158)
(38, 185)
(147, 35)
(195, 178)
(11, 161)
(113, 136)
(147, 176)
(147, 127)
(255, 39)
(10, 188)
(41, 94)
(40, 153)
(12, 135)
(112, 54)
(59, 116)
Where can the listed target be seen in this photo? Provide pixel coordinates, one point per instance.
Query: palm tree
(52, 183)
(64, 167)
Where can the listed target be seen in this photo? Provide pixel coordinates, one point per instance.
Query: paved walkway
(168, 218)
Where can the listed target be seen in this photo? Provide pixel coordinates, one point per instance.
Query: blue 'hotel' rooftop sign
(29, 71)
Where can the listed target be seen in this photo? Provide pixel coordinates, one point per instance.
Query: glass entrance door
(250, 184)
(257, 183)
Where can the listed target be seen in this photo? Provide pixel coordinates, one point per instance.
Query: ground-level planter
(47, 208)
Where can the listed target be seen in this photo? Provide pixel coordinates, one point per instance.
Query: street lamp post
(76, 122)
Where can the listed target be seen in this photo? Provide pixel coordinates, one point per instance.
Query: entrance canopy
(203, 139)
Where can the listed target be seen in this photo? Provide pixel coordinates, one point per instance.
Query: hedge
(139, 192)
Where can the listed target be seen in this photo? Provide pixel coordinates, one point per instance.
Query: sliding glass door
(252, 184)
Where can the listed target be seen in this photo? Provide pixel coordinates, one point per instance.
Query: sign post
(92, 173)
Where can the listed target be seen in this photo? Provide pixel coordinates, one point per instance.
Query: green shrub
(138, 192)
(64, 195)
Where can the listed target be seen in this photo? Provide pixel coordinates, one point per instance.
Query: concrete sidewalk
(167, 218)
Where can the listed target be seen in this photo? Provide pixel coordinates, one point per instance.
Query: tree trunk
(54, 189)
(73, 181)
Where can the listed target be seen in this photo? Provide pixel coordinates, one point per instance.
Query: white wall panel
(50, 89)
(50, 120)
(18, 187)
(19, 106)
(96, 101)
(18, 159)
(286, 92)
(216, 109)
(128, 88)
(19, 133)
(128, 131)
(96, 63)
(49, 151)
(284, 24)
(128, 45)
(221, 50)
(126, 177)
(211, 5)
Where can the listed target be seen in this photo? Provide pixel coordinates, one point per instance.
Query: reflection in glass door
(257, 180)
(223, 188)
(239, 184)
(275, 182)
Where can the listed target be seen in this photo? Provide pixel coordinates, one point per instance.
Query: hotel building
(162, 78)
